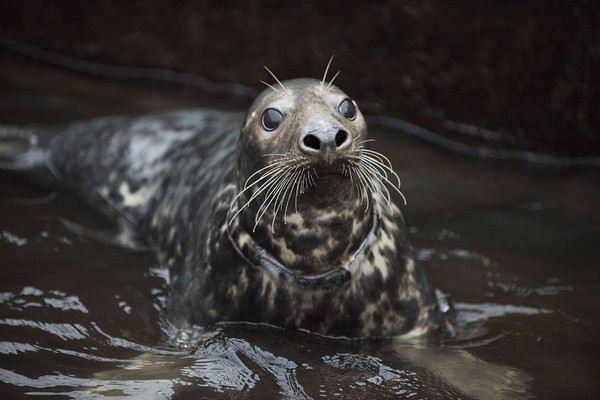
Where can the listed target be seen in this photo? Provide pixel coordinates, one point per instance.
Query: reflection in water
(425, 254)
(218, 365)
(472, 376)
(88, 388)
(12, 238)
(470, 313)
(283, 370)
(63, 331)
(224, 362)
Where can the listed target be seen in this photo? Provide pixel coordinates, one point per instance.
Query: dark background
(507, 74)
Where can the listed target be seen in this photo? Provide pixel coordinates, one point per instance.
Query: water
(514, 250)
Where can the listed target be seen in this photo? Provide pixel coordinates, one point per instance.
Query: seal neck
(323, 226)
(334, 276)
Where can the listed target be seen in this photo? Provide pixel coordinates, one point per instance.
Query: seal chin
(335, 170)
(329, 188)
(329, 179)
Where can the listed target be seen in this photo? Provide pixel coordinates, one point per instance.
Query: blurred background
(504, 74)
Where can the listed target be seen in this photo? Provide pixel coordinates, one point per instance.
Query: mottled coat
(175, 177)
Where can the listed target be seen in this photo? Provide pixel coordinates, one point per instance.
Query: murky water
(514, 250)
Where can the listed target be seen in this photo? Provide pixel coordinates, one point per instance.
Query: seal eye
(347, 109)
(271, 119)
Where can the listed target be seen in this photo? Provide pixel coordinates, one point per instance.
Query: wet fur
(175, 177)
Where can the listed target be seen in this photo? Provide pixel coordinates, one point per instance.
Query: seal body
(275, 217)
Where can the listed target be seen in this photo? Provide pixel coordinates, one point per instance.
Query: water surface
(514, 249)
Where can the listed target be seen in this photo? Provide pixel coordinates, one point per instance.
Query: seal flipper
(22, 154)
(27, 153)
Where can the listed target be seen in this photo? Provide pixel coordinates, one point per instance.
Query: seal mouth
(329, 172)
(286, 180)
(327, 185)
(320, 175)
(336, 169)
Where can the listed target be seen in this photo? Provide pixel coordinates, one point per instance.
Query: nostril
(340, 138)
(312, 141)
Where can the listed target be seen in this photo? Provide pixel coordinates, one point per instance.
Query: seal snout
(325, 142)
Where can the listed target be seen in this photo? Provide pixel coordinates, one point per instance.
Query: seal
(281, 216)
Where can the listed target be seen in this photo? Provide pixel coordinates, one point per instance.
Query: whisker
(375, 164)
(264, 186)
(273, 165)
(380, 187)
(354, 184)
(271, 86)
(312, 179)
(361, 142)
(280, 199)
(269, 195)
(281, 155)
(246, 187)
(278, 81)
(363, 181)
(268, 176)
(298, 186)
(279, 178)
(277, 182)
(373, 170)
(272, 196)
(333, 79)
(379, 156)
(326, 70)
(383, 179)
(384, 168)
(291, 175)
(376, 155)
(288, 176)
(297, 175)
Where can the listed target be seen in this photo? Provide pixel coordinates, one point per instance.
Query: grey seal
(281, 216)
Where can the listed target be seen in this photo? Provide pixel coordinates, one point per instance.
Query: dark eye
(347, 109)
(271, 119)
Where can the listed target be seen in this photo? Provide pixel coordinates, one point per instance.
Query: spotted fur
(180, 179)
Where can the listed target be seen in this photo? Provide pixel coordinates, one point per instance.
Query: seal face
(288, 221)
(297, 153)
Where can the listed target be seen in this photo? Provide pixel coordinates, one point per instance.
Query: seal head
(297, 152)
